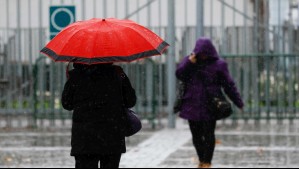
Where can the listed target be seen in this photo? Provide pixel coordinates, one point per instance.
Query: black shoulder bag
(132, 123)
(220, 106)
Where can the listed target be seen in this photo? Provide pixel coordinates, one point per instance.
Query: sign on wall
(61, 17)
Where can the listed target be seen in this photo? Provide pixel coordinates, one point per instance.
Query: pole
(298, 16)
(105, 9)
(94, 8)
(224, 41)
(116, 8)
(200, 18)
(83, 10)
(8, 71)
(171, 62)
(127, 7)
(19, 52)
(267, 59)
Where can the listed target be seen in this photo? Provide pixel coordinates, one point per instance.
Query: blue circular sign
(60, 17)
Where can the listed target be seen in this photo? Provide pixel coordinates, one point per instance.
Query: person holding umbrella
(97, 91)
(94, 93)
(204, 75)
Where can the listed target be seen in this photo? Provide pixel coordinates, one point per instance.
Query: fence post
(154, 102)
(200, 18)
(171, 63)
(35, 81)
(149, 87)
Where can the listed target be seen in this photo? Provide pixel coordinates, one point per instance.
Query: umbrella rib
(79, 31)
(95, 45)
(132, 29)
(115, 32)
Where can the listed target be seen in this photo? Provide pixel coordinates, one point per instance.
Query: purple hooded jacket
(204, 80)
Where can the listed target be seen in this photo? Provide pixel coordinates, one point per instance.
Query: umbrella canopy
(104, 41)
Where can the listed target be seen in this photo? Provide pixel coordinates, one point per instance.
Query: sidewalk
(243, 145)
(154, 151)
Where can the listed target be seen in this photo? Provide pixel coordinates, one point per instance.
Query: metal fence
(268, 84)
(263, 58)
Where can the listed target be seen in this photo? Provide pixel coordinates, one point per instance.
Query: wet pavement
(250, 145)
(232, 153)
(46, 150)
(263, 145)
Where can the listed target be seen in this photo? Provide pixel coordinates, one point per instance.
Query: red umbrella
(104, 41)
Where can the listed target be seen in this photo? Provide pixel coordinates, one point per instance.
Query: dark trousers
(92, 161)
(204, 139)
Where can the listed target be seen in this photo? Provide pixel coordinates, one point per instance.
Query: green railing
(48, 83)
(268, 84)
(145, 79)
(49, 80)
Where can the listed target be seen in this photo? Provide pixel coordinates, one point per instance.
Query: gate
(262, 54)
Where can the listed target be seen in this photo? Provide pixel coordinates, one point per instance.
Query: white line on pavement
(155, 150)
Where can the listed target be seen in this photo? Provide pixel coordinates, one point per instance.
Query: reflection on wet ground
(245, 151)
(37, 149)
(51, 140)
(265, 145)
(241, 145)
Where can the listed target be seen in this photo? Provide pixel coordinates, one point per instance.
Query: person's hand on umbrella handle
(193, 58)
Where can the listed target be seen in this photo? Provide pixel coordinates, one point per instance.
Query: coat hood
(204, 46)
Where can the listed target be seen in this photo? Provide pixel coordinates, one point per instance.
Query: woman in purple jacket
(204, 74)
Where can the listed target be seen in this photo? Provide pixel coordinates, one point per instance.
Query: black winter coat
(95, 96)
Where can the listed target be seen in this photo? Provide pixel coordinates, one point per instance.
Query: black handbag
(221, 107)
(132, 123)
